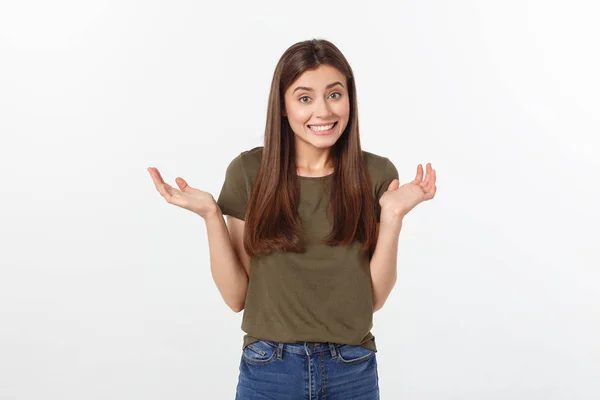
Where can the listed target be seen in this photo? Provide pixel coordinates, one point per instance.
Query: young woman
(310, 245)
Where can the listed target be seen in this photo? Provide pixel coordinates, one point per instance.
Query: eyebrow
(310, 89)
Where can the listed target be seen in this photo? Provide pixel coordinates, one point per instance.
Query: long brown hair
(272, 219)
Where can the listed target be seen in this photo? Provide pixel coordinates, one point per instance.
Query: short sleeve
(387, 175)
(233, 198)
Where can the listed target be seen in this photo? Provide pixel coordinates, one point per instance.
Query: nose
(322, 109)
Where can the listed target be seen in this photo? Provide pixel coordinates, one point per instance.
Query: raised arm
(228, 272)
(395, 203)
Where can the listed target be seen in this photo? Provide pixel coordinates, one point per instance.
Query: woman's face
(314, 101)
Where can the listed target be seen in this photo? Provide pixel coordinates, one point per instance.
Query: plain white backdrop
(105, 289)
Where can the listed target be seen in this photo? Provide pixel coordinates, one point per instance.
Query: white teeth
(321, 128)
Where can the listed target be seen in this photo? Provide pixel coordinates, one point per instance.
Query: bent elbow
(236, 308)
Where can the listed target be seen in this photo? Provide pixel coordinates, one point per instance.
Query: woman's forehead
(319, 78)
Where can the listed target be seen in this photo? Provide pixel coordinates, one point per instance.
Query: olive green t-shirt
(321, 295)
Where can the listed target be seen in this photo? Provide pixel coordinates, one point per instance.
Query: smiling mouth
(322, 128)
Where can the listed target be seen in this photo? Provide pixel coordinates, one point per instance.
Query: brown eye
(339, 94)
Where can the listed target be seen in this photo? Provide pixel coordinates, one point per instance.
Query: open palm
(195, 200)
(398, 200)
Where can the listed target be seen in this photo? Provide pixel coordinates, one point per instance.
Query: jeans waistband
(305, 348)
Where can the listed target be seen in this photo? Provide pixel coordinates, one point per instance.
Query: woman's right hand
(195, 200)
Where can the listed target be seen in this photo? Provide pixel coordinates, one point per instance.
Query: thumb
(182, 184)
(394, 185)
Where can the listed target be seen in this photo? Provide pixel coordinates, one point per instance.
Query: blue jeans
(307, 371)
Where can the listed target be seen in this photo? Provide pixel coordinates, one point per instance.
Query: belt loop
(332, 349)
(279, 351)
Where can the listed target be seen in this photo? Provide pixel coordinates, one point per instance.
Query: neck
(312, 159)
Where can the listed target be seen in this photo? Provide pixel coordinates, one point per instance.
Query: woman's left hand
(397, 201)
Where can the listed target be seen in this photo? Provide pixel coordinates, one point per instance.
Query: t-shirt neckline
(315, 177)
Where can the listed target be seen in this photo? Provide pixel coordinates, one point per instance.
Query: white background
(105, 289)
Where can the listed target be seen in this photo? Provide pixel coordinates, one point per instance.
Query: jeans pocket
(352, 354)
(259, 353)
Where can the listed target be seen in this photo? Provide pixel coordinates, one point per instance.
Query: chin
(320, 143)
